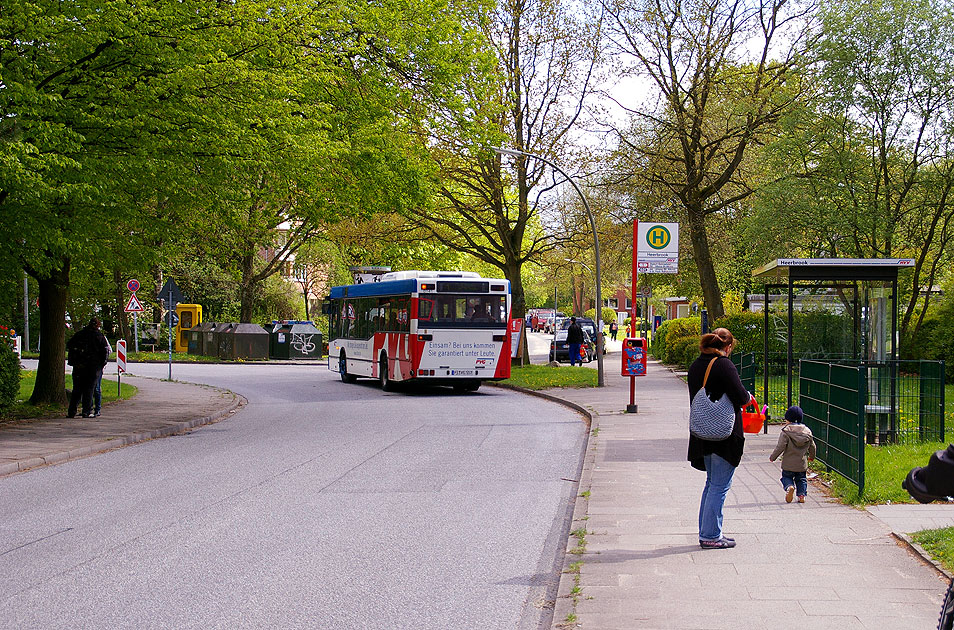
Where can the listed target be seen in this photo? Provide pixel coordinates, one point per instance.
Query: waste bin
(249, 341)
(197, 338)
(634, 356)
(222, 341)
(295, 340)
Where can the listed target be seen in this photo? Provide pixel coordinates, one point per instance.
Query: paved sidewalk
(814, 565)
(160, 408)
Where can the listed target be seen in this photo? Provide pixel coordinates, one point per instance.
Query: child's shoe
(789, 493)
(801, 499)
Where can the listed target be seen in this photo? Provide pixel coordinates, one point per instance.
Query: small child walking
(797, 448)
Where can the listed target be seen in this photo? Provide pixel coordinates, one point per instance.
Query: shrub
(668, 346)
(683, 351)
(9, 376)
(747, 329)
(658, 346)
(609, 314)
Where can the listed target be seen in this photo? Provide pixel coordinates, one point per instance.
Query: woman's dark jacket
(574, 333)
(723, 379)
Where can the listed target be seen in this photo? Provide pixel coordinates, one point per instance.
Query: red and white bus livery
(442, 327)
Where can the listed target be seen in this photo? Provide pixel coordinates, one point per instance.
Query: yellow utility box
(190, 315)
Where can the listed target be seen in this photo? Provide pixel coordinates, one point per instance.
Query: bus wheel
(386, 383)
(343, 370)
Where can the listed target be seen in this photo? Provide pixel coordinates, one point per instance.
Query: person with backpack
(87, 352)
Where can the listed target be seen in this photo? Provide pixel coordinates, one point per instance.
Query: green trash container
(295, 340)
(222, 342)
(278, 340)
(249, 341)
(197, 337)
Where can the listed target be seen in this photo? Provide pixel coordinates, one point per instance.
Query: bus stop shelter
(864, 292)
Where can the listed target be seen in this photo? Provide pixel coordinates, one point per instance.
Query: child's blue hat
(794, 414)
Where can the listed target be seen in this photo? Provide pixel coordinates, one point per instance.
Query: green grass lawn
(23, 409)
(939, 543)
(885, 469)
(544, 377)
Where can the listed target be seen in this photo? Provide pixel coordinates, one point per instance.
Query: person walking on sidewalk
(797, 448)
(718, 458)
(574, 339)
(98, 390)
(87, 355)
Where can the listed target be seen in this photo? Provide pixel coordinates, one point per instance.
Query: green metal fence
(745, 364)
(904, 403)
(833, 398)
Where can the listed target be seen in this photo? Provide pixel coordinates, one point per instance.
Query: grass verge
(885, 469)
(545, 377)
(939, 543)
(23, 409)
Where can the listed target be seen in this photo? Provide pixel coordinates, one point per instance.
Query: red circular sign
(133, 285)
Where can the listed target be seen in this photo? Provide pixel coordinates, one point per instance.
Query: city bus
(439, 327)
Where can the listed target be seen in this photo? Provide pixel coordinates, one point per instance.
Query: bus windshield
(452, 310)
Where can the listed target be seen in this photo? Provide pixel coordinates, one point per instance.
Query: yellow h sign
(658, 237)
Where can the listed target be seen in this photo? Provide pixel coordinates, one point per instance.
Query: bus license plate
(463, 372)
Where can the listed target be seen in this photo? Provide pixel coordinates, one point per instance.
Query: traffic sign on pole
(120, 365)
(121, 356)
(134, 305)
(133, 285)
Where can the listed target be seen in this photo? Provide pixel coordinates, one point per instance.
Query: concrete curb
(587, 414)
(565, 604)
(125, 440)
(919, 551)
(564, 609)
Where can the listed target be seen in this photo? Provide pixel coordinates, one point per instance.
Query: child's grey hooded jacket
(795, 445)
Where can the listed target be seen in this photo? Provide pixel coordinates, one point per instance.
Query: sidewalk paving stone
(160, 408)
(820, 564)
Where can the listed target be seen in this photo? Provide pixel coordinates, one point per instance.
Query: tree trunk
(122, 317)
(518, 308)
(707, 277)
(247, 289)
(50, 387)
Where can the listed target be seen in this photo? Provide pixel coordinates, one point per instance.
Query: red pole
(632, 317)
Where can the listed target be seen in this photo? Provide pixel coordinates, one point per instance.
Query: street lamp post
(600, 380)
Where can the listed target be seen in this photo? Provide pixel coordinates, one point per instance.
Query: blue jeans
(797, 479)
(575, 353)
(98, 392)
(718, 481)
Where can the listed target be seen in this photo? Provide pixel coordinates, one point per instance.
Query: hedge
(9, 376)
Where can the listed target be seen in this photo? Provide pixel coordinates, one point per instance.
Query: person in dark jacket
(574, 339)
(718, 458)
(88, 351)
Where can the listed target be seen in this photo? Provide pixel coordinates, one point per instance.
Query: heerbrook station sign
(657, 247)
(845, 262)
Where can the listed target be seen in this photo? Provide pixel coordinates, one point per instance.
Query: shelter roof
(791, 269)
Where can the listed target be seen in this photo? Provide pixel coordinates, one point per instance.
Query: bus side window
(425, 309)
(403, 307)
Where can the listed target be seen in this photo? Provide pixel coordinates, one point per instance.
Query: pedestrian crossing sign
(134, 305)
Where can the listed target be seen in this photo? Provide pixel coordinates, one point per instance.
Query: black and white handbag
(711, 420)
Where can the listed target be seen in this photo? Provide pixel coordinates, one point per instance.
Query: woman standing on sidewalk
(718, 458)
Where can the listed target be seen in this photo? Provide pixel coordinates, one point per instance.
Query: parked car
(560, 349)
(553, 324)
(588, 326)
